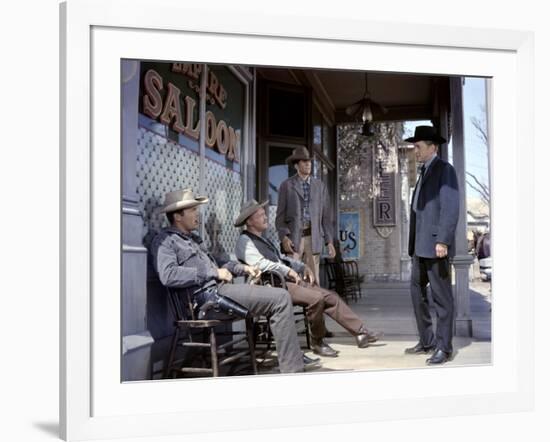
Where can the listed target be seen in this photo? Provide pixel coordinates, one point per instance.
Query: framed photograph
(113, 182)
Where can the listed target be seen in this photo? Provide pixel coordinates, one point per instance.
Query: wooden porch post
(462, 260)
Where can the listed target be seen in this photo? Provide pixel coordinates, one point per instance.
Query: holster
(208, 304)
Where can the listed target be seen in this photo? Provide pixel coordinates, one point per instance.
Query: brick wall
(381, 249)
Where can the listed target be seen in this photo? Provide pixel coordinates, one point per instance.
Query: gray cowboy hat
(248, 210)
(426, 133)
(181, 199)
(300, 153)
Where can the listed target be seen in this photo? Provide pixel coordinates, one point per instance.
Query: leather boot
(366, 337)
(321, 348)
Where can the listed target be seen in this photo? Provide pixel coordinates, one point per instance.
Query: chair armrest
(273, 278)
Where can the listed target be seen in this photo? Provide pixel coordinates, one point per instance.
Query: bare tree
(481, 127)
(471, 180)
(481, 188)
(355, 155)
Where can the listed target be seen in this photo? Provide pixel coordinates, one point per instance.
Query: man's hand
(225, 275)
(253, 271)
(331, 250)
(309, 275)
(293, 276)
(288, 246)
(441, 250)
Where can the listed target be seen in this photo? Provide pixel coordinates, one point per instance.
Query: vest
(265, 247)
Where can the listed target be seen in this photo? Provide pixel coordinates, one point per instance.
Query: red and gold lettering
(221, 97)
(194, 71)
(169, 111)
(172, 109)
(213, 84)
(222, 137)
(210, 137)
(189, 112)
(177, 67)
(152, 100)
(232, 140)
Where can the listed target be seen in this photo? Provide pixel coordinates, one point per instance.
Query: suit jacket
(288, 221)
(437, 211)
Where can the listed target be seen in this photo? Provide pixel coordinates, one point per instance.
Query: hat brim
(295, 159)
(180, 205)
(244, 215)
(436, 139)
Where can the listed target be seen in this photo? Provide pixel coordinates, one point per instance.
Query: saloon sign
(164, 102)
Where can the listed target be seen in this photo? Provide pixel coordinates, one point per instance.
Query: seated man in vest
(257, 251)
(182, 261)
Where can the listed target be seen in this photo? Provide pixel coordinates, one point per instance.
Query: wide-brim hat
(181, 199)
(426, 133)
(300, 153)
(248, 210)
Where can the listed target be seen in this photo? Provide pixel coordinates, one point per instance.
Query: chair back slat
(181, 303)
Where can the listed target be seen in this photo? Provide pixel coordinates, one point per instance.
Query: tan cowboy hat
(181, 199)
(248, 210)
(300, 153)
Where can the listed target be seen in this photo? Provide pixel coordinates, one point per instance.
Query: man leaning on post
(182, 261)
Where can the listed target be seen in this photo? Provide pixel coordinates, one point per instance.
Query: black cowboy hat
(426, 133)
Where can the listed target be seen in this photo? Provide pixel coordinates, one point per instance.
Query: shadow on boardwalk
(388, 308)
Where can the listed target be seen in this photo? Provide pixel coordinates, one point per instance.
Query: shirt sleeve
(247, 252)
(236, 268)
(172, 274)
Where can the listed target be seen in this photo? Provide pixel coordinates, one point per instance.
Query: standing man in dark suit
(304, 221)
(434, 216)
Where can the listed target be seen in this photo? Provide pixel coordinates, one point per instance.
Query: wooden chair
(343, 278)
(263, 332)
(187, 330)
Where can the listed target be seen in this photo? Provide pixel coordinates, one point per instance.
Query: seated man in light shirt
(254, 250)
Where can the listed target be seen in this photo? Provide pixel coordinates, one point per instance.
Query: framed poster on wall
(350, 234)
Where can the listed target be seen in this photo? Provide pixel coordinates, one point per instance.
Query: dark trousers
(437, 272)
(318, 301)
